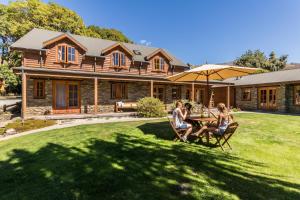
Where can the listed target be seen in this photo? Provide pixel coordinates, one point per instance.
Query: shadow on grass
(133, 168)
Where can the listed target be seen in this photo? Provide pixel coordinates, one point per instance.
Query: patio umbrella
(209, 72)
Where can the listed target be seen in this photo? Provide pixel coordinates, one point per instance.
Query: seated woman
(224, 119)
(178, 120)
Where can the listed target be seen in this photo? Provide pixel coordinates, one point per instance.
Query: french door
(199, 95)
(267, 97)
(66, 97)
(159, 92)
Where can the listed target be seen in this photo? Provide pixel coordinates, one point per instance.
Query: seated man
(178, 120)
(224, 119)
(188, 110)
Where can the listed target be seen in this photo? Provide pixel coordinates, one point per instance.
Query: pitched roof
(34, 40)
(268, 78)
(61, 36)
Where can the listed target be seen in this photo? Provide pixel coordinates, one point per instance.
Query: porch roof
(103, 75)
(278, 77)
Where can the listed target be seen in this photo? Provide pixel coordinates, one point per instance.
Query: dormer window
(159, 64)
(119, 59)
(61, 53)
(71, 54)
(66, 54)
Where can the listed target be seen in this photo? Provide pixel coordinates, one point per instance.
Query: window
(156, 64)
(176, 93)
(66, 53)
(71, 54)
(162, 64)
(39, 89)
(297, 95)
(115, 59)
(119, 59)
(61, 54)
(246, 94)
(123, 59)
(119, 91)
(159, 64)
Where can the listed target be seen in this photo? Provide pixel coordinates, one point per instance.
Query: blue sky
(197, 31)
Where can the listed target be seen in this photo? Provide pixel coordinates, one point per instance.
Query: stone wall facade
(285, 99)
(38, 106)
(247, 105)
(136, 90)
(290, 101)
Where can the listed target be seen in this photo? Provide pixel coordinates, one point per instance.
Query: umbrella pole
(208, 96)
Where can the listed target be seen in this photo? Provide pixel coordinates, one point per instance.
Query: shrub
(151, 107)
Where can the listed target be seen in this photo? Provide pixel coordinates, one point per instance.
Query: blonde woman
(224, 119)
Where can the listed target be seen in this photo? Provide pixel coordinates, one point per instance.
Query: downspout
(41, 59)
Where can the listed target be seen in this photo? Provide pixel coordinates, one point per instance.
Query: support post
(96, 95)
(24, 96)
(151, 88)
(208, 96)
(193, 92)
(228, 97)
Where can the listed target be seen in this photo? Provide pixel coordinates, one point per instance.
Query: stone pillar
(281, 98)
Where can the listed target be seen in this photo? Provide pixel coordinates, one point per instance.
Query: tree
(258, 59)
(10, 80)
(19, 17)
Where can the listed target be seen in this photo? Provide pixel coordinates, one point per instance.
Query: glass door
(159, 92)
(60, 96)
(66, 97)
(267, 98)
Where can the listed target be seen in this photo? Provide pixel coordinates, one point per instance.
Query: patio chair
(178, 132)
(223, 139)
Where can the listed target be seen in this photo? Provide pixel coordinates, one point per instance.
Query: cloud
(145, 42)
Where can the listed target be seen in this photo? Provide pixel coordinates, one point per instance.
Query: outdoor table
(203, 120)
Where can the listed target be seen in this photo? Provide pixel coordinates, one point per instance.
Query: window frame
(296, 87)
(243, 92)
(162, 64)
(66, 54)
(36, 94)
(68, 60)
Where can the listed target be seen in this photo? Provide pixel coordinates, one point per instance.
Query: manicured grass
(29, 124)
(138, 160)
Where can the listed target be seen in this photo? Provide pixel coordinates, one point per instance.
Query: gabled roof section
(159, 51)
(62, 36)
(35, 38)
(118, 44)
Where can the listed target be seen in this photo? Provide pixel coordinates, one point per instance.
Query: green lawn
(137, 160)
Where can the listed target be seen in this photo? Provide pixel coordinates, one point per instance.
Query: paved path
(78, 122)
(9, 101)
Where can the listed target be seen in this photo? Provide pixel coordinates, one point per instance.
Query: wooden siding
(32, 58)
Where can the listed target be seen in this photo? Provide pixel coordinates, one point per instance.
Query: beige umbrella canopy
(212, 72)
(209, 72)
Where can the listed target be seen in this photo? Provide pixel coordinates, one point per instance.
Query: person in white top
(179, 115)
